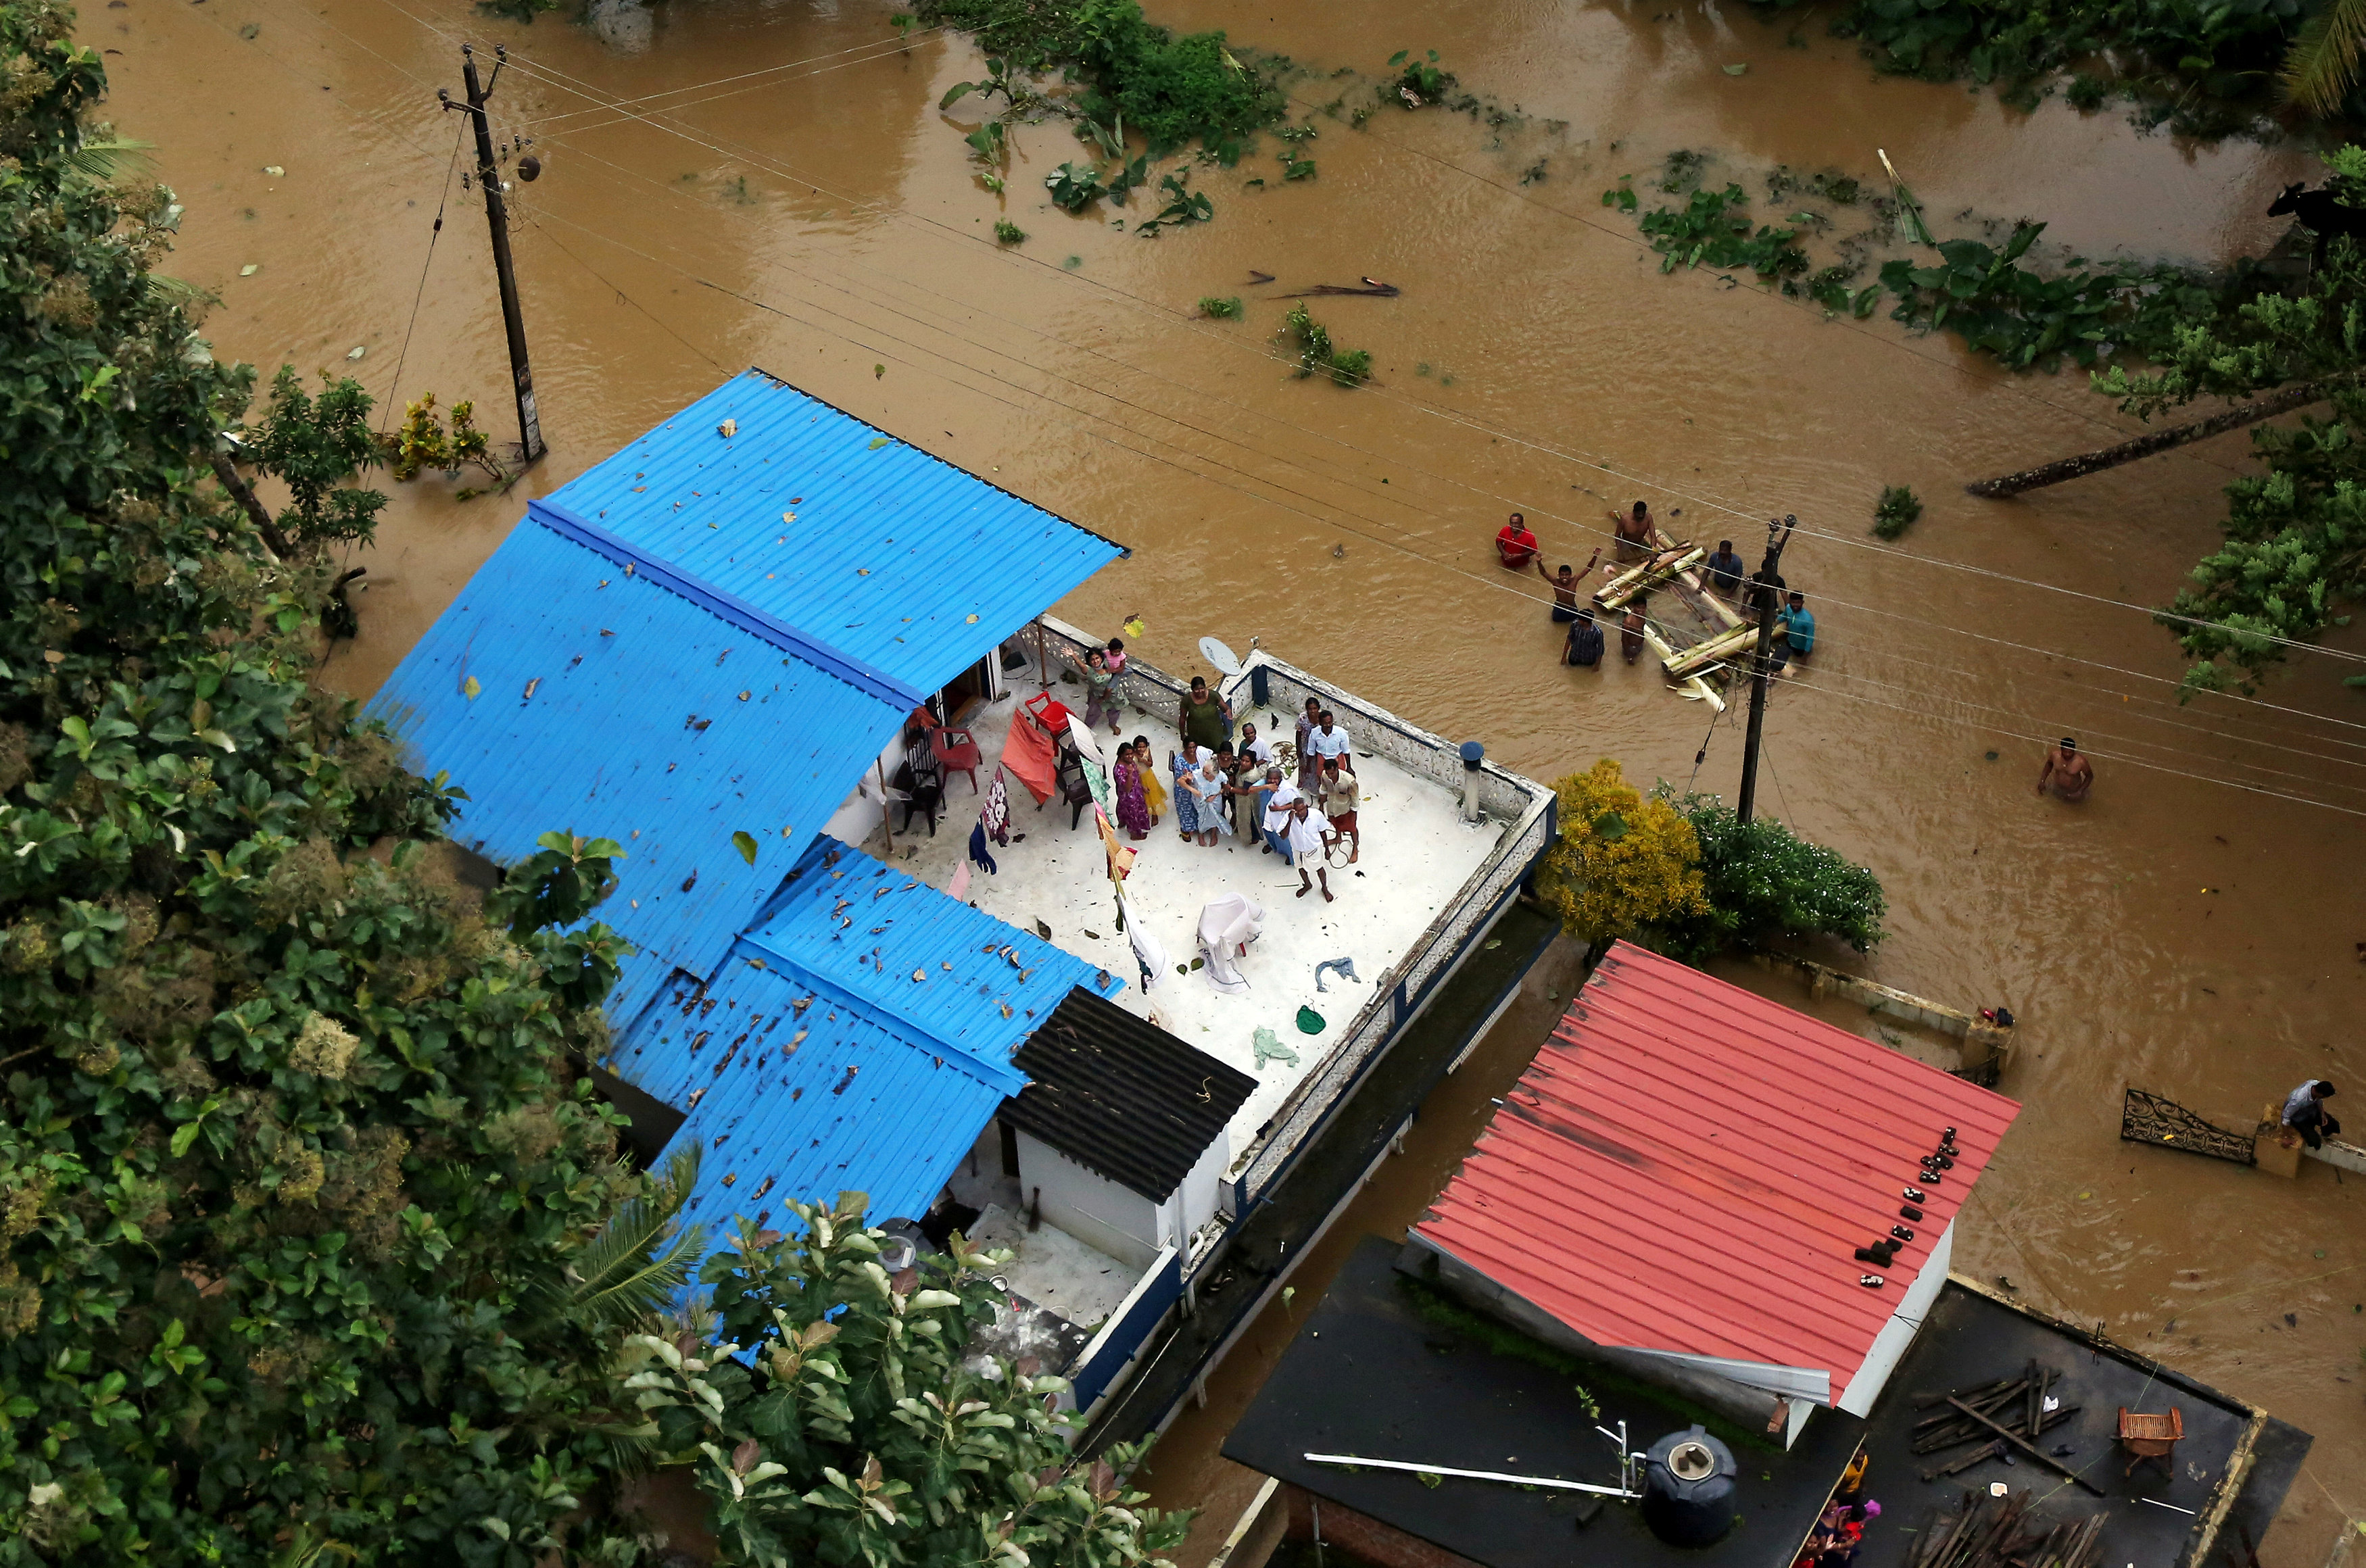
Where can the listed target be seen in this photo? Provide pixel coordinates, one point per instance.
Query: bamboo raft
(1674, 565)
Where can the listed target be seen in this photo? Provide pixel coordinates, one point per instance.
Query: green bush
(1764, 883)
(1173, 90)
(1896, 512)
(1317, 355)
(1008, 233)
(1215, 310)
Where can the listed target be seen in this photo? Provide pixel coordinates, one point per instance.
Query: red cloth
(1516, 546)
(1026, 756)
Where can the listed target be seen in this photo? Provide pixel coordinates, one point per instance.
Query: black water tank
(1688, 1488)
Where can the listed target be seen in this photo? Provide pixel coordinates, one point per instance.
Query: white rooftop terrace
(1417, 857)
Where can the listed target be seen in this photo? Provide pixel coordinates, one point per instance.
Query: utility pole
(1778, 533)
(497, 219)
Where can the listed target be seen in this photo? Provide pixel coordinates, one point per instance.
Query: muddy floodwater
(729, 182)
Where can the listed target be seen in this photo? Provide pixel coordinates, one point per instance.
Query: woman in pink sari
(1132, 804)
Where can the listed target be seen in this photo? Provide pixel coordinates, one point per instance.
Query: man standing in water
(1630, 631)
(2071, 775)
(1565, 588)
(1584, 648)
(1725, 569)
(1516, 544)
(1634, 531)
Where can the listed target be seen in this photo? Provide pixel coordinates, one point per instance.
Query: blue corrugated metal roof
(906, 562)
(813, 1104)
(570, 686)
(859, 1037)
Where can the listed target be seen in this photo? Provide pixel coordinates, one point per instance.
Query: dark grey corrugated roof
(1121, 1096)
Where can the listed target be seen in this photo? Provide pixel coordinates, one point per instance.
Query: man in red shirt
(1516, 544)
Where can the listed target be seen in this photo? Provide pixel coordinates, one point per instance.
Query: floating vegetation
(1713, 228)
(1073, 186)
(1419, 82)
(1008, 233)
(1175, 91)
(1215, 310)
(1318, 355)
(1895, 511)
(2006, 309)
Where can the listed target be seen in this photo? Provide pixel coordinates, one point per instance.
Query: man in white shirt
(2304, 1113)
(1273, 803)
(1326, 739)
(1255, 756)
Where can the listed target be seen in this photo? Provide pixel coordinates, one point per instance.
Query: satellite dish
(1083, 739)
(1216, 654)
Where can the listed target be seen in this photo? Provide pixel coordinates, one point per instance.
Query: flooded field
(735, 181)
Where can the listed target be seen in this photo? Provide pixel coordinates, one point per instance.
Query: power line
(1398, 500)
(883, 48)
(758, 304)
(394, 387)
(2041, 740)
(620, 294)
(585, 90)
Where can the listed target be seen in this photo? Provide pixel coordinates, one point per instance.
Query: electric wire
(764, 306)
(1924, 711)
(394, 387)
(534, 223)
(2108, 757)
(2238, 632)
(2203, 730)
(881, 46)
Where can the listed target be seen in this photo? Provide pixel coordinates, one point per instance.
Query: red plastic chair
(956, 753)
(1051, 712)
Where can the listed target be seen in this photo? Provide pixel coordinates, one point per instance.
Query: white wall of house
(1197, 1198)
(1090, 1206)
(1889, 1346)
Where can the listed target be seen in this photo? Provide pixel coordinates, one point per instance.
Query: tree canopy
(319, 1246)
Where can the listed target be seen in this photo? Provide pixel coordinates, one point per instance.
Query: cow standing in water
(2322, 213)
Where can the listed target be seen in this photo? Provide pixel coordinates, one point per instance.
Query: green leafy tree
(1764, 882)
(842, 1419)
(310, 1213)
(2321, 70)
(312, 445)
(2295, 550)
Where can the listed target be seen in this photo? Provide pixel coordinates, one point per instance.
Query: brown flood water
(819, 220)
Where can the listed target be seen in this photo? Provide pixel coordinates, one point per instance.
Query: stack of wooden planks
(1984, 1531)
(2006, 1414)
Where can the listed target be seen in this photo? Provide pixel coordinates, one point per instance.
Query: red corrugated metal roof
(1687, 1167)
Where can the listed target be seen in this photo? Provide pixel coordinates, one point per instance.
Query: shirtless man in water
(1634, 530)
(2071, 775)
(1565, 586)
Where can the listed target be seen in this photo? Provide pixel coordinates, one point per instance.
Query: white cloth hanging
(1147, 953)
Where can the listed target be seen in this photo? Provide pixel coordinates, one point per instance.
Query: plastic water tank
(1688, 1488)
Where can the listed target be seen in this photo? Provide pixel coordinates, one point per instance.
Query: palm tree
(2324, 61)
(626, 1276)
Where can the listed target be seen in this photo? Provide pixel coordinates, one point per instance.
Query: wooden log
(1711, 650)
(2166, 440)
(1977, 1456)
(1646, 574)
(2031, 1449)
